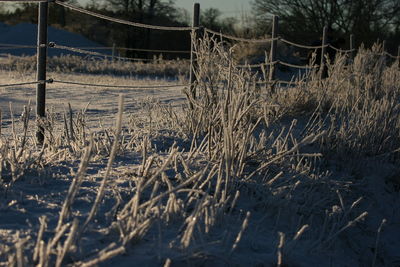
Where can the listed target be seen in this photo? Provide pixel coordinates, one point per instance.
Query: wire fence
(119, 86)
(230, 37)
(94, 84)
(302, 45)
(102, 55)
(195, 29)
(89, 50)
(121, 21)
(110, 48)
(21, 84)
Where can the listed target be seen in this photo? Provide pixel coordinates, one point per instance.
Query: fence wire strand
(11, 47)
(302, 46)
(120, 86)
(27, 1)
(298, 66)
(226, 36)
(15, 46)
(134, 49)
(391, 56)
(153, 50)
(121, 21)
(278, 82)
(345, 51)
(258, 65)
(20, 84)
(2, 45)
(92, 53)
(278, 62)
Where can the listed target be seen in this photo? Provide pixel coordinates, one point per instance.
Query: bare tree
(211, 18)
(142, 11)
(305, 18)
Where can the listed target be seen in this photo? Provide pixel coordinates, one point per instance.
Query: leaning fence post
(195, 31)
(323, 73)
(41, 69)
(352, 46)
(275, 21)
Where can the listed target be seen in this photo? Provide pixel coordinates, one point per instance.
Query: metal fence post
(352, 47)
(323, 70)
(275, 21)
(41, 69)
(195, 32)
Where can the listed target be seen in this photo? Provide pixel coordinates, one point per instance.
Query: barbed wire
(288, 82)
(345, 51)
(259, 65)
(300, 45)
(298, 66)
(24, 83)
(278, 82)
(174, 28)
(120, 86)
(268, 40)
(121, 21)
(14, 46)
(135, 49)
(82, 48)
(278, 62)
(92, 53)
(154, 50)
(27, 1)
(17, 45)
(81, 51)
(391, 56)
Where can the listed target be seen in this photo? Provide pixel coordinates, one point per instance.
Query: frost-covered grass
(97, 65)
(305, 175)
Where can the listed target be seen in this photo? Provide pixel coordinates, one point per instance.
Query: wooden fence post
(384, 49)
(113, 52)
(352, 47)
(195, 24)
(41, 69)
(398, 56)
(275, 21)
(323, 70)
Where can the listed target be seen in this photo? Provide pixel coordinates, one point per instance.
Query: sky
(229, 8)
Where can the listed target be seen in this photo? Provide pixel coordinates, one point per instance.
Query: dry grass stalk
(241, 232)
(237, 148)
(378, 235)
(100, 193)
(75, 185)
(280, 249)
(103, 256)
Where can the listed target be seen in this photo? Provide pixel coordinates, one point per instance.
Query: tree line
(369, 20)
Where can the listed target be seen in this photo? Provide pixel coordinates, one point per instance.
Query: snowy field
(240, 180)
(100, 102)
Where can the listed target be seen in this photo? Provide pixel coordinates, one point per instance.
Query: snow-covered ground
(325, 206)
(25, 34)
(99, 101)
